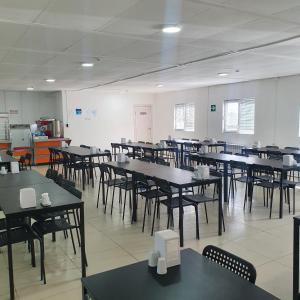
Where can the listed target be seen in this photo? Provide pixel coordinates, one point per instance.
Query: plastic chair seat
(51, 226)
(199, 198)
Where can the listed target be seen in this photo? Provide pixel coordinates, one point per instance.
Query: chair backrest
(72, 190)
(85, 146)
(241, 154)
(273, 154)
(161, 161)
(272, 146)
(52, 174)
(145, 159)
(221, 142)
(226, 152)
(257, 170)
(187, 168)
(141, 142)
(292, 148)
(28, 157)
(231, 262)
(149, 143)
(9, 152)
(195, 140)
(120, 172)
(163, 185)
(141, 179)
(238, 165)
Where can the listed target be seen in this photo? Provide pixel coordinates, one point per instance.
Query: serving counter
(41, 153)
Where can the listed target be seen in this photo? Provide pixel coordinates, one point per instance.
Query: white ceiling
(50, 38)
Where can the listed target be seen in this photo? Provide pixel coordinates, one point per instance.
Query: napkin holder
(3, 171)
(123, 140)
(27, 198)
(121, 157)
(288, 160)
(202, 172)
(93, 150)
(166, 243)
(64, 144)
(14, 167)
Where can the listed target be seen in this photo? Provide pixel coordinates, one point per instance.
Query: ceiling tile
(10, 33)
(21, 11)
(41, 38)
(26, 57)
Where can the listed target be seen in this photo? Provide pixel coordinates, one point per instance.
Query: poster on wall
(78, 111)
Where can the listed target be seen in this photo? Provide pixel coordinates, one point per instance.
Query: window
(239, 116)
(184, 117)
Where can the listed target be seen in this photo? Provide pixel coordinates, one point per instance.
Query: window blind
(184, 117)
(246, 118)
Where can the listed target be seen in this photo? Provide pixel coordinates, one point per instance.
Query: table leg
(134, 200)
(10, 262)
(133, 152)
(220, 212)
(181, 154)
(103, 186)
(83, 176)
(177, 157)
(82, 246)
(225, 182)
(91, 171)
(180, 218)
(282, 177)
(296, 261)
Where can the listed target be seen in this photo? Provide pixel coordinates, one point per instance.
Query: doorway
(143, 123)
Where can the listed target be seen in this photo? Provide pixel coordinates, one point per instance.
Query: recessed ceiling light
(87, 65)
(30, 88)
(160, 85)
(50, 80)
(222, 74)
(171, 29)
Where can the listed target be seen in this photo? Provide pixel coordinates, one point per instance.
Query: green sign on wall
(213, 107)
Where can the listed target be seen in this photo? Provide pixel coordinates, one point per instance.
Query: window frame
(239, 101)
(184, 105)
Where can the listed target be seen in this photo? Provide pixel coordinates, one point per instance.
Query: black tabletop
(60, 198)
(4, 158)
(80, 151)
(153, 147)
(24, 178)
(196, 278)
(175, 176)
(199, 143)
(221, 157)
(281, 151)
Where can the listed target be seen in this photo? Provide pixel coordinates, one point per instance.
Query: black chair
(292, 148)
(231, 262)
(264, 176)
(171, 203)
(273, 154)
(28, 158)
(9, 152)
(161, 161)
(52, 174)
(48, 224)
(238, 172)
(125, 184)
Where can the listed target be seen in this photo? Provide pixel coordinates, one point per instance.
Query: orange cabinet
(41, 149)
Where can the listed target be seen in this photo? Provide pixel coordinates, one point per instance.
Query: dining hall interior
(149, 149)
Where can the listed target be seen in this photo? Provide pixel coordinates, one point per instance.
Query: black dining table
(196, 144)
(277, 165)
(266, 150)
(83, 153)
(61, 199)
(154, 148)
(178, 178)
(195, 278)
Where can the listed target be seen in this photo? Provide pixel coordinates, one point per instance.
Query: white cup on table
(161, 266)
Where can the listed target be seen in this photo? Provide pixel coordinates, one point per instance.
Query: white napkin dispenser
(288, 160)
(166, 243)
(203, 172)
(27, 198)
(14, 167)
(121, 157)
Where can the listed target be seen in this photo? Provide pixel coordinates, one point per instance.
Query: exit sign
(213, 107)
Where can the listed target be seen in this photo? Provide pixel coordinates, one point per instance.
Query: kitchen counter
(5, 144)
(41, 153)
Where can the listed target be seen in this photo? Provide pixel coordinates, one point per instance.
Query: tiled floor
(112, 243)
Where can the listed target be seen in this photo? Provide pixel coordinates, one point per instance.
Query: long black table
(196, 144)
(176, 177)
(196, 278)
(151, 147)
(83, 154)
(266, 150)
(10, 205)
(277, 165)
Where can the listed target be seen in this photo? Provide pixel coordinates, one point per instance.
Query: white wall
(30, 106)
(276, 111)
(113, 116)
